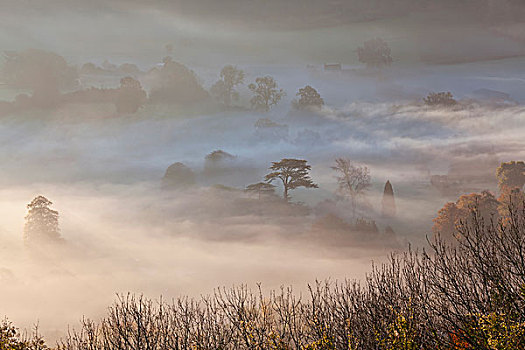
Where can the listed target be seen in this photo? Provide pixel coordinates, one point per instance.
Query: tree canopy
(224, 88)
(511, 175)
(375, 53)
(308, 97)
(266, 93)
(12, 339)
(130, 96)
(440, 99)
(353, 180)
(178, 175)
(41, 221)
(453, 213)
(43, 73)
(38, 70)
(174, 83)
(293, 173)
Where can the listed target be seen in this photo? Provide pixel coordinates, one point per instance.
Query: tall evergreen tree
(389, 203)
(41, 221)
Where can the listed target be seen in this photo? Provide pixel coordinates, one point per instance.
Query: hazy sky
(293, 31)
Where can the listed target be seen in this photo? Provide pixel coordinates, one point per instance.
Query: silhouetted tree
(452, 214)
(510, 198)
(218, 156)
(224, 89)
(174, 83)
(511, 175)
(41, 221)
(293, 173)
(440, 99)
(178, 175)
(44, 73)
(261, 188)
(266, 93)
(388, 202)
(353, 180)
(220, 163)
(375, 53)
(309, 97)
(130, 96)
(12, 339)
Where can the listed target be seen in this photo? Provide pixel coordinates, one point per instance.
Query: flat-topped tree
(293, 173)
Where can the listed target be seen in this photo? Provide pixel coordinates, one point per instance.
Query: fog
(126, 228)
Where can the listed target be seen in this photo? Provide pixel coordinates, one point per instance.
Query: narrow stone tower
(389, 203)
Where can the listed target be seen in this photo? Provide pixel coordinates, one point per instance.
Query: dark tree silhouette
(293, 174)
(11, 338)
(388, 202)
(266, 93)
(176, 84)
(44, 73)
(440, 99)
(178, 175)
(454, 213)
(375, 53)
(309, 97)
(511, 175)
(224, 89)
(218, 158)
(261, 188)
(41, 221)
(130, 96)
(353, 180)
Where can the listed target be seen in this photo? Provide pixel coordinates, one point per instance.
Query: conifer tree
(41, 221)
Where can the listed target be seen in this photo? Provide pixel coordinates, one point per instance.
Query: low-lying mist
(150, 171)
(135, 239)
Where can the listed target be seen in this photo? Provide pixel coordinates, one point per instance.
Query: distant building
(332, 66)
